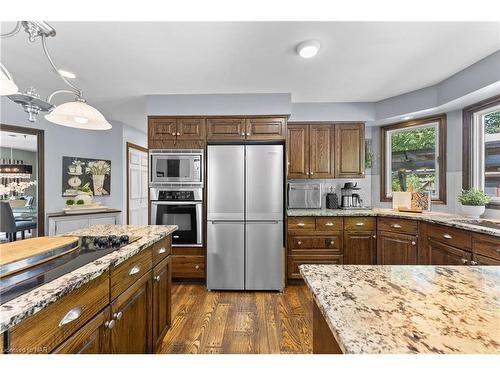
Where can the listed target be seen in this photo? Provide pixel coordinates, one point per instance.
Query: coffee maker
(349, 199)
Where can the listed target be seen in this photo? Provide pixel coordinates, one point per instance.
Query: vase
(472, 211)
(98, 181)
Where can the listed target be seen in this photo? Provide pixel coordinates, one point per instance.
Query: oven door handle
(157, 203)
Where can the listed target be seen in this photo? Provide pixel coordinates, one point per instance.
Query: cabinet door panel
(190, 128)
(349, 150)
(132, 315)
(321, 138)
(396, 249)
(294, 261)
(298, 151)
(360, 248)
(162, 278)
(162, 129)
(265, 128)
(226, 128)
(441, 254)
(92, 338)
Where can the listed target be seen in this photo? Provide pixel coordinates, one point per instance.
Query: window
(414, 158)
(482, 148)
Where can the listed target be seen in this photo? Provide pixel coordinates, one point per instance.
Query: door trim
(139, 148)
(40, 140)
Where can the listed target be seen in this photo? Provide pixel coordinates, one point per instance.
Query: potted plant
(473, 202)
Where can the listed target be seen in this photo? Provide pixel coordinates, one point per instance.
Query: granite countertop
(18, 309)
(409, 309)
(442, 218)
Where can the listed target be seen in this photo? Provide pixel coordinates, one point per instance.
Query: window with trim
(482, 148)
(414, 158)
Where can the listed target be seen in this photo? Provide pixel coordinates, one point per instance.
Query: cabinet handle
(397, 226)
(70, 316)
(464, 261)
(473, 262)
(413, 243)
(197, 267)
(360, 224)
(329, 224)
(161, 250)
(300, 224)
(173, 134)
(109, 324)
(134, 270)
(447, 236)
(299, 243)
(178, 133)
(157, 278)
(176, 236)
(243, 134)
(248, 134)
(374, 236)
(118, 315)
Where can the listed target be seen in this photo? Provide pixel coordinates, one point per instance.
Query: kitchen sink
(480, 222)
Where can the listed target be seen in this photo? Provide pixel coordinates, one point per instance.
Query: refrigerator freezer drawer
(264, 256)
(225, 255)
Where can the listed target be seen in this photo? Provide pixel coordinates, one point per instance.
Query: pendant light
(77, 113)
(7, 85)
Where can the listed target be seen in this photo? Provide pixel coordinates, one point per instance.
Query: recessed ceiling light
(308, 48)
(67, 74)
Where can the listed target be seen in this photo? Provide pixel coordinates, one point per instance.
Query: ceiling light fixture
(7, 85)
(308, 49)
(75, 114)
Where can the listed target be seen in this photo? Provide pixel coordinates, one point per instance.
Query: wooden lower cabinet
(360, 247)
(442, 254)
(131, 313)
(396, 248)
(92, 338)
(294, 261)
(161, 301)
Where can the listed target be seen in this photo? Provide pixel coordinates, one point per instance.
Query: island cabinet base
(323, 340)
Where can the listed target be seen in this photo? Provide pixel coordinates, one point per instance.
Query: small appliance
(332, 200)
(304, 195)
(350, 199)
(176, 167)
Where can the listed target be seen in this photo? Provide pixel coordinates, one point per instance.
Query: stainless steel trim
(109, 324)
(70, 316)
(447, 236)
(118, 315)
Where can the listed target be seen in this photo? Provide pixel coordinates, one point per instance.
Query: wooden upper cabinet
(226, 128)
(349, 150)
(162, 128)
(265, 128)
(321, 141)
(191, 128)
(298, 150)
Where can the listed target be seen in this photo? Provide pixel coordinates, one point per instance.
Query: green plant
(80, 202)
(86, 188)
(473, 197)
(70, 202)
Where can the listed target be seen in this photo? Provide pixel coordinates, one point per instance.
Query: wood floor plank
(239, 322)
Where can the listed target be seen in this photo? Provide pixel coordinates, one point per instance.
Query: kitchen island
(404, 309)
(74, 312)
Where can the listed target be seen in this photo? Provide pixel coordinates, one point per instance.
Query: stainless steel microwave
(176, 166)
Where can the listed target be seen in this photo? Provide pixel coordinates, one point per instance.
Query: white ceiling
(358, 61)
(18, 141)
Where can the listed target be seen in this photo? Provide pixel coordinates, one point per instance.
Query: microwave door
(172, 169)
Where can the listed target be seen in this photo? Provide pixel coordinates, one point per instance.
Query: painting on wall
(83, 175)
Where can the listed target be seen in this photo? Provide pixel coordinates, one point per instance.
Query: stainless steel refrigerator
(245, 217)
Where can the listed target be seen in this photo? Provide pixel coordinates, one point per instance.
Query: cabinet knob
(248, 134)
(178, 133)
(299, 243)
(464, 261)
(332, 242)
(397, 226)
(243, 134)
(109, 324)
(118, 315)
(197, 267)
(312, 173)
(173, 134)
(374, 236)
(157, 278)
(307, 173)
(447, 236)
(473, 262)
(413, 243)
(360, 224)
(161, 250)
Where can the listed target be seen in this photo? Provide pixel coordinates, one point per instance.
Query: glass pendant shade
(79, 115)
(7, 85)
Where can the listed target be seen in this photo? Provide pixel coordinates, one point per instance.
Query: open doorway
(21, 183)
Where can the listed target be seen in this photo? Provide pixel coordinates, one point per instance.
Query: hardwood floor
(239, 322)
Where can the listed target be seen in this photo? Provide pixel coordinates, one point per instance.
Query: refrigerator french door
(245, 217)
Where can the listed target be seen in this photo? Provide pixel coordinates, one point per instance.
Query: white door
(137, 186)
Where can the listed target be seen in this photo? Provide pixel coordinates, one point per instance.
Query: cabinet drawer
(311, 244)
(328, 224)
(397, 225)
(301, 224)
(162, 249)
(451, 236)
(295, 261)
(188, 266)
(359, 223)
(44, 331)
(485, 261)
(487, 246)
(128, 272)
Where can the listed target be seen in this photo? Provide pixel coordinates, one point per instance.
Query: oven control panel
(178, 195)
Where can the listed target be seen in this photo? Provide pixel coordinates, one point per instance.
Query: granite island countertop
(20, 308)
(409, 309)
(441, 218)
